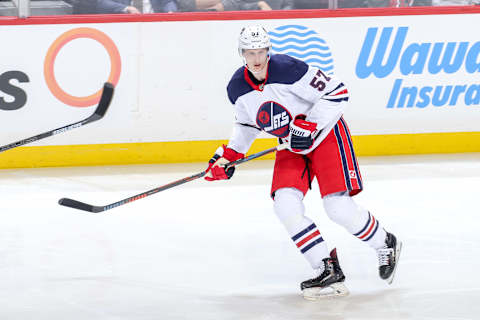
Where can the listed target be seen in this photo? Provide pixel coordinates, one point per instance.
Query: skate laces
(319, 271)
(384, 255)
(322, 270)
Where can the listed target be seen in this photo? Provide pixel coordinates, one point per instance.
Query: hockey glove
(216, 166)
(301, 134)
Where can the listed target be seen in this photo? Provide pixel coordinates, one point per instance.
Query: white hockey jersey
(291, 88)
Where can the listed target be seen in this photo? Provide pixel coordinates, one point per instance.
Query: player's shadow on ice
(382, 305)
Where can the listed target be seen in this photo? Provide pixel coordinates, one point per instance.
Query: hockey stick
(90, 208)
(102, 107)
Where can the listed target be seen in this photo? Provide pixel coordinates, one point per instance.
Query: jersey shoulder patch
(237, 86)
(285, 69)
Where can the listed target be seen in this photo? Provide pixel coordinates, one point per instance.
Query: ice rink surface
(217, 251)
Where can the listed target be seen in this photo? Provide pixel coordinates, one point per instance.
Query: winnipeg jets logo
(274, 119)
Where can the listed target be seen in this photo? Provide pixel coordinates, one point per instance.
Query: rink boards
(413, 75)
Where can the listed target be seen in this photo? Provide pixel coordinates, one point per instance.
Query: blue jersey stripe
(338, 87)
(343, 156)
(354, 158)
(336, 100)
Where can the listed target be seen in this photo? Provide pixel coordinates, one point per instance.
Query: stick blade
(105, 100)
(79, 205)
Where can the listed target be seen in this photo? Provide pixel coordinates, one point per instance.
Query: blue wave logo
(302, 43)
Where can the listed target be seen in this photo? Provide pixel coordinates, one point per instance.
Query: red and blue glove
(216, 166)
(302, 133)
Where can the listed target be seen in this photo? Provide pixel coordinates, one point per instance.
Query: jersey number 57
(318, 83)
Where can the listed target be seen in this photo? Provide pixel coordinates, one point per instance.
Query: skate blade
(398, 250)
(334, 290)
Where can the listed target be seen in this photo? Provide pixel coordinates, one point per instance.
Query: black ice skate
(388, 258)
(329, 283)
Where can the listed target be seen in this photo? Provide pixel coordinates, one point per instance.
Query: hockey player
(303, 107)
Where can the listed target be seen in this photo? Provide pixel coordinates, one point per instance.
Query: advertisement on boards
(406, 74)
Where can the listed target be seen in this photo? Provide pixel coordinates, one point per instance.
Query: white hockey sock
(290, 210)
(341, 209)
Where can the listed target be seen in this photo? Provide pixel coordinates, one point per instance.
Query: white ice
(216, 250)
